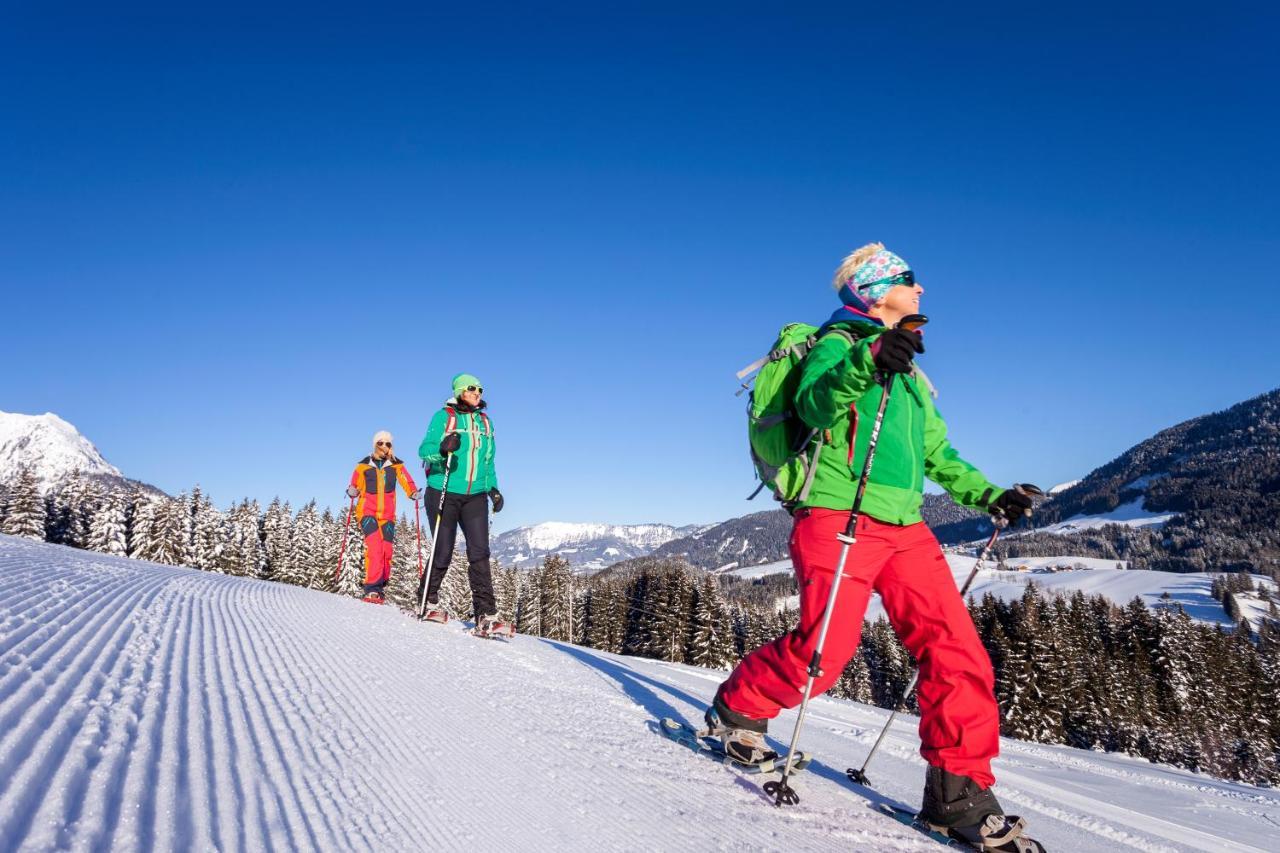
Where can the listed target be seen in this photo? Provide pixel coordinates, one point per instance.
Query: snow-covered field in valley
(1066, 575)
(147, 707)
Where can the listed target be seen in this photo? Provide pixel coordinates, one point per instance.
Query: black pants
(472, 513)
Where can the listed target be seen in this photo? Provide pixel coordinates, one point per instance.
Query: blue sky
(238, 241)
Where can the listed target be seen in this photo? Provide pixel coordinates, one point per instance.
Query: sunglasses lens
(475, 388)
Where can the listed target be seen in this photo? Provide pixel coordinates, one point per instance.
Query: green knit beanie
(461, 381)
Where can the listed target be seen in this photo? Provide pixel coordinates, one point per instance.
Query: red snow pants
(959, 719)
(379, 545)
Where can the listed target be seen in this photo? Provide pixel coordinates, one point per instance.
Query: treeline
(1079, 671)
(1075, 670)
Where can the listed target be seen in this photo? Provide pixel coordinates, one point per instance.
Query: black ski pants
(472, 513)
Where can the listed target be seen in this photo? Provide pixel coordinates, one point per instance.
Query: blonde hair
(380, 435)
(852, 261)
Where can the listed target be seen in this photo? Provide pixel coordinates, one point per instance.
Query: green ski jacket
(838, 395)
(471, 468)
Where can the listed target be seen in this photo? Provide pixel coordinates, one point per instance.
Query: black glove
(896, 348)
(496, 497)
(1012, 505)
(450, 444)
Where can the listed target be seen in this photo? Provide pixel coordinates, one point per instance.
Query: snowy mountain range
(52, 448)
(588, 547)
(157, 707)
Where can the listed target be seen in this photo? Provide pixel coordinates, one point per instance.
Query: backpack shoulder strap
(840, 333)
(488, 427)
(451, 420)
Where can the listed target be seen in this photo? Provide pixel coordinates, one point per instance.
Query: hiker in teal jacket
(457, 453)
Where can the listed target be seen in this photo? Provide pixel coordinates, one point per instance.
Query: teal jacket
(471, 468)
(838, 395)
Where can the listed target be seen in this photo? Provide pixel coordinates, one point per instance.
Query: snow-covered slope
(52, 447)
(153, 707)
(589, 547)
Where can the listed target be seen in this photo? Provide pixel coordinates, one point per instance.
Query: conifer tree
(146, 509)
(455, 591)
(529, 604)
(27, 513)
(107, 533)
(506, 591)
(556, 591)
(277, 539)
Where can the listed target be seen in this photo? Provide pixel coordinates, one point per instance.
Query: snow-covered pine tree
(277, 539)
(529, 604)
(107, 531)
(146, 509)
(711, 640)
(404, 566)
(330, 539)
(244, 553)
(455, 591)
(351, 578)
(506, 591)
(667, 608)
(306, 548)
(170, 534)
(1032, 711)
(71, 506)
(27, 513)
(606, 619)
(209, 534)
(556, 590)
(580, 607)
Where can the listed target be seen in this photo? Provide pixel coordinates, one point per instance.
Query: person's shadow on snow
(640, 689)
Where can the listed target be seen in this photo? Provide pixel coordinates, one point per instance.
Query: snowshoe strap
(997, 830)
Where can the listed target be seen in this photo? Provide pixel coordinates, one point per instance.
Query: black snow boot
(957, 806)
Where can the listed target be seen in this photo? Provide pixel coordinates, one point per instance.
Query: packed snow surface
(52, 447)
(147, 707)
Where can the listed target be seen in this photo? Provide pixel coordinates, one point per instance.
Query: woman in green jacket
(895, 555)
(457, 453)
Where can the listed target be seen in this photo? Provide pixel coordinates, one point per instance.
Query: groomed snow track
(146, 707)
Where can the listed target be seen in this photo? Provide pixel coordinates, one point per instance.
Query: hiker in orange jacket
(373, 482)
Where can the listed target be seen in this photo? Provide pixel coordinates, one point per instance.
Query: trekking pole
(1000, 522)
(435, 537)
(346, 530)
(417, 526)
(779, 789)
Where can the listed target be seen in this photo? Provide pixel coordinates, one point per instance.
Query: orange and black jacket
(377, 484)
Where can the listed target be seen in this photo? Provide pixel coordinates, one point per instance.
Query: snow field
(152, 707)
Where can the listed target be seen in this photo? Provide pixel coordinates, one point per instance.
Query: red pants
(379, 545)
(959, 719)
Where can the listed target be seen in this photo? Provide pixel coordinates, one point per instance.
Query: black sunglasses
(475, 388)
(908, 278)
(384, 444)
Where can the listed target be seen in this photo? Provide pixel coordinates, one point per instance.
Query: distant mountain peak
(51, 447)
(586, 545)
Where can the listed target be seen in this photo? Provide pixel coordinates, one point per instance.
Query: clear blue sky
(236, 241)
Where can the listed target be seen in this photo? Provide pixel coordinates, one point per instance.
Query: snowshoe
(996, 832)
(742, 739)
(961, 809)
(436, 614)
(707, 743)
(374, 598)
(493, 628)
